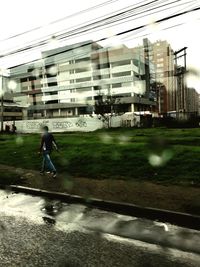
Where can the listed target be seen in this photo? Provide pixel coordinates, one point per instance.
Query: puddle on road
(75, 217)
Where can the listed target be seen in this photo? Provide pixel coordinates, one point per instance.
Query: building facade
(68, 81)
(163, 58)
(159, 59)
(9, 109)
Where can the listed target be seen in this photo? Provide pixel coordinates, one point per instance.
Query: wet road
(38, 232)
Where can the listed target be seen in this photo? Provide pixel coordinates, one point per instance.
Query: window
(23, 80)
(83, 80)
(81, 70)
(160, 65)
(116, 85)
(136, 62)
(104, 65)
(82, 59)
(97, 77)
(32, 78)
(121, 63)
(97, 87)
(121, 74)
(84, 89)
(52, 84)
(106, 76)
(122, 95)
(53, 93)
(37, 86)
(126, 84)
(106, 86)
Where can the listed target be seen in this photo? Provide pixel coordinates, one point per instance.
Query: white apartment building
(68, 80)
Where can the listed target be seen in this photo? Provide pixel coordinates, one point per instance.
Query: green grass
(114, 153)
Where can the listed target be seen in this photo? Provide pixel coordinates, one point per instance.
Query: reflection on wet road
(39, 232)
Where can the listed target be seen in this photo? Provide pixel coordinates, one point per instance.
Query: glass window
(83, 79)
(116, 85)
(121, 63)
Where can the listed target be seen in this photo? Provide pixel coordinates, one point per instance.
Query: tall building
(163, 58)
(181, 90)
(159, 69)
(192, 101)
(67, 81)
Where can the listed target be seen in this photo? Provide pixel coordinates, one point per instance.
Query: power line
(59, 20)
(142, 26)
(132, 19)
(92, 25)
(153, 13)
(127, 31)
(160, 20)
(78, 25)
(115, 18)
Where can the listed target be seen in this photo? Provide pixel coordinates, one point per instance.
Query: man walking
(47, 143)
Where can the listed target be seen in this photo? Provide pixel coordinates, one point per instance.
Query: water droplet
(19, 140)
(123, 139)
(53, 43)
(192, 79)
(105, 138)
(52, 70)
(12, 85)
(158, 160)
(139, 87)
(155, 160)
(36, 72)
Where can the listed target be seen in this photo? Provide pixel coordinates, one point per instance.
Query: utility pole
(2, 109)
(147, 66)
(180, 71)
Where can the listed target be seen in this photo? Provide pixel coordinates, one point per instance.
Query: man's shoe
(41, 172)
(54, 174)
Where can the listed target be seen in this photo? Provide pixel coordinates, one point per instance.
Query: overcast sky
(18, 16)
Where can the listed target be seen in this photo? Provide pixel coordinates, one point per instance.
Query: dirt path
(171, 197)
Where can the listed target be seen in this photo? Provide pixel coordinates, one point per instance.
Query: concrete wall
(78, 124)
(86, 124)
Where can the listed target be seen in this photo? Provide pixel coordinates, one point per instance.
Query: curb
(166, 216)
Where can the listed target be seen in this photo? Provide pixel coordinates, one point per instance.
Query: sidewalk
(173, 197)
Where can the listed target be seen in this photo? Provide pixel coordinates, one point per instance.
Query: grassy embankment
(114, 154)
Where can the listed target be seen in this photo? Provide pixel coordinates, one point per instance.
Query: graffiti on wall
(36, 124)
(81, 123)
(62, 124)
(59, 125)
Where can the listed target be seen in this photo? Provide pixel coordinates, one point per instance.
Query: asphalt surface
(38, 232)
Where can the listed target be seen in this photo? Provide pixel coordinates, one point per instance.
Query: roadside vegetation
(168, 156)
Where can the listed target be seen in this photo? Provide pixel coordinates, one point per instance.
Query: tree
(107, 107)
